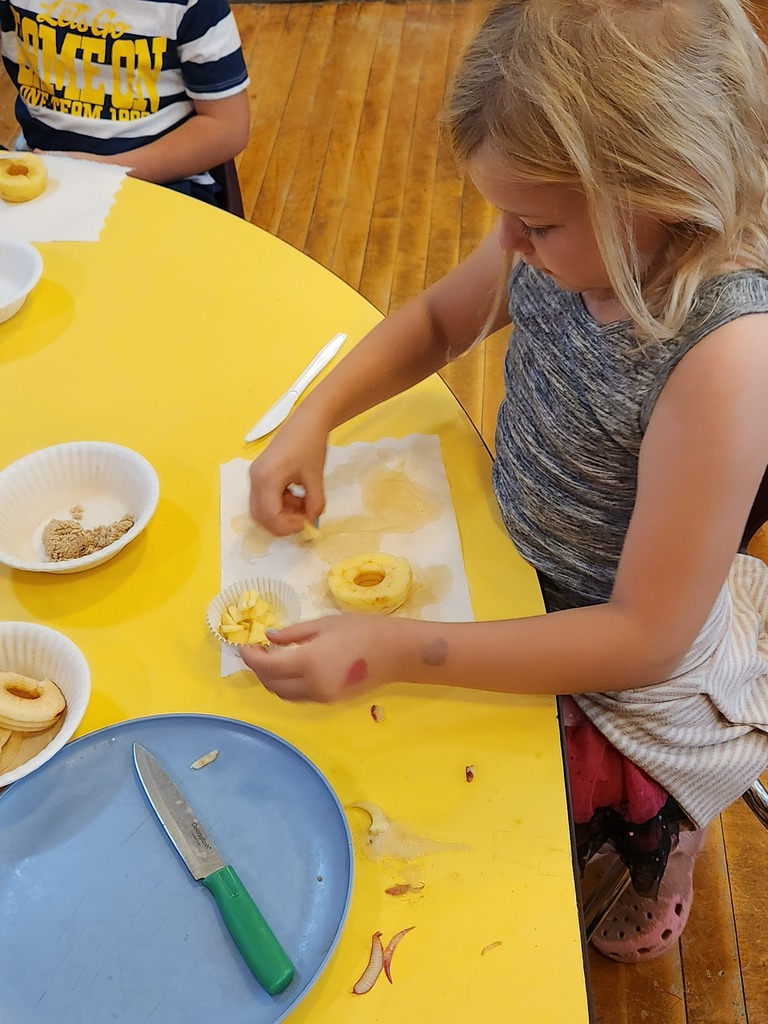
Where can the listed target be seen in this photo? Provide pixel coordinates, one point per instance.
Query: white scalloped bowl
(21, 267)
(279, 594)
(106, 479)
(43, 653)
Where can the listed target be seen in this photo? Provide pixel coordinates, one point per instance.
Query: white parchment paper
(74, 206)
(391, 496)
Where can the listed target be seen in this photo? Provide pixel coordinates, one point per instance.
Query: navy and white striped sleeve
(210, 52)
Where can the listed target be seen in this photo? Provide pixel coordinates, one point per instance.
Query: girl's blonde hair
(656, 107)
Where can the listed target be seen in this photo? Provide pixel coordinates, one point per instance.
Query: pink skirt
(614, 801)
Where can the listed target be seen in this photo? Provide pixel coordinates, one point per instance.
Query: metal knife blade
(253, 936)
(177, 817)
(279, 411)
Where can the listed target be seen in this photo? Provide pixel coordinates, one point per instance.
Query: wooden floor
(346, 163)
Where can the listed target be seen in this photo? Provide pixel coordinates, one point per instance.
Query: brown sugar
(68, 538)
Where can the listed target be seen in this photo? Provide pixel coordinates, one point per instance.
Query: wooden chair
(607, 893)
(230, 197)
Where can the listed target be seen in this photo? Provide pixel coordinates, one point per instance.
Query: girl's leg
(618, 806)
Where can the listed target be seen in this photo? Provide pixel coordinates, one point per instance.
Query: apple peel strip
(373, 968)
(389, 952)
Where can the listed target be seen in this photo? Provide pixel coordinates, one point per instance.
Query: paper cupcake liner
(43, 653)
(279, 594)
(44, 482)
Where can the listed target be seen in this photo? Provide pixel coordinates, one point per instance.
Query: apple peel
(373, 968)
(402, 888)
(389, 952)
(379, 821)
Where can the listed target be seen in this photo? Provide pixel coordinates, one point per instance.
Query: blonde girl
(623, 144)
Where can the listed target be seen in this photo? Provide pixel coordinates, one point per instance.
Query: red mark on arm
(358, 671)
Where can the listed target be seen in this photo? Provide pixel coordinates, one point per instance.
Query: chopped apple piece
(257, 634)
(246, 621)
(308, 532)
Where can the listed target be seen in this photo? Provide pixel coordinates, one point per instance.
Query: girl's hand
(295, 457)
(325, 660)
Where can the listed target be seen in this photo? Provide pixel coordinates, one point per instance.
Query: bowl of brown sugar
(71, 506)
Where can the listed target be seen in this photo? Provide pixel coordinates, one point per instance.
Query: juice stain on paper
(393, 503)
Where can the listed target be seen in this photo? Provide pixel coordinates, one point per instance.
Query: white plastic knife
(279, 411)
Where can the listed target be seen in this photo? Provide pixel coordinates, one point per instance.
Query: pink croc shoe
(639, 928)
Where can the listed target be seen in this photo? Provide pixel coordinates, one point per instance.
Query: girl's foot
(639, 928)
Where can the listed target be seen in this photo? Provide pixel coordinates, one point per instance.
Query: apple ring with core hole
(28, 705)
(374, 583)
(23, 176)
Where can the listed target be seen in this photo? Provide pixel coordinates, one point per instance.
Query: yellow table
(171, 335)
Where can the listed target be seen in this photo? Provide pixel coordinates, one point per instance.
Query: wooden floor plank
(467, 377)
(384, 234)
(273, 65)
(746, 846)
(416, 213)
(265, 34)
(333, 187)
(444, 248)
(296, 124)
(249, 26)
(356, 216)
(710, 954)
(647, 993)
(445, 223)
(325, 96)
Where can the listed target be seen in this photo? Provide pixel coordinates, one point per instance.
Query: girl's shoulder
(720, 302)
(730, 294)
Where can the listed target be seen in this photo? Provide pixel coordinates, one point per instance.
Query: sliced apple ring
(28, 705)
(23, 176)
(374, 583)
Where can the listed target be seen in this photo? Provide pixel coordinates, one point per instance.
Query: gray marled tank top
(578, 400)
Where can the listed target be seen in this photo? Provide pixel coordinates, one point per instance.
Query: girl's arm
(217, 131)
(429, 331)
(701, 461)
(402, 350)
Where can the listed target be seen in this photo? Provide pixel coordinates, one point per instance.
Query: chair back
(758, 514)
(230, 198)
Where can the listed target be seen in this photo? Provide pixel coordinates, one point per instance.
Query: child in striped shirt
(156, 85)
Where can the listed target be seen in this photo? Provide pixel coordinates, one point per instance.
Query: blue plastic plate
(101, 920)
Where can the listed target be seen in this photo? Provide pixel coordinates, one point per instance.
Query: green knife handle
(253, 936)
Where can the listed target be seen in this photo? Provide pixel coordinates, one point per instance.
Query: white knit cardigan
(703, 734)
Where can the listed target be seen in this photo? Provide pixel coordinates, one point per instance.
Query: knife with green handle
(253, 936)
